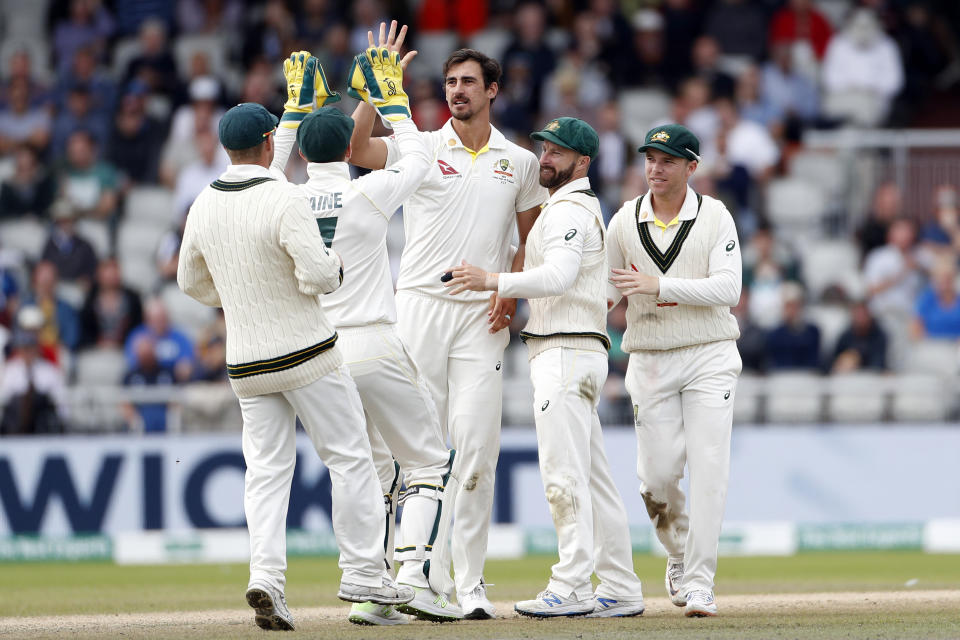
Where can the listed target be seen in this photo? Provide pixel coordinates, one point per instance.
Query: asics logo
(552, 599)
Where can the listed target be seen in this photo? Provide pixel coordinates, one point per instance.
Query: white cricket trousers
(402, 424)
(683, 402)
(332, 416)
(587, 509)
(461, 363)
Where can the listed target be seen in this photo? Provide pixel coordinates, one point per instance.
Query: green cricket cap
(246, 125)
(674, 139)
(571, 133)
(324, 135)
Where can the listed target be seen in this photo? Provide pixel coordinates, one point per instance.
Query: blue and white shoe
(548, 604)
(613, 608)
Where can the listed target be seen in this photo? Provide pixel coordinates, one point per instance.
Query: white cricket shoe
(700, 604)
(548, 604)
(427, 604)
(371, 613)
(475, 604)
(673, 581)
(388, 593)
(613, 608)
(270, 607)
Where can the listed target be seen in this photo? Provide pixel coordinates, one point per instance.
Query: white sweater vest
(655, 326)
(578, 317)
(278, 337)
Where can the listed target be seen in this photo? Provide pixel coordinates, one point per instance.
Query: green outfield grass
(60, 589)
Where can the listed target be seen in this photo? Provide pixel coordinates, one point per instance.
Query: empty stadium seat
(794, 397)
(137, 242)
(746, 405)
(823, 168)
(492, 42)
(26, 235)
(922, 398)
(937, 357)
(795, 205)
(831, 262)
(153, 204)
(186, 313)
(831, 319)
(97, 233)
(100, 367)
(857, 397)
(211, 45)
(433, 48)
(640, 109)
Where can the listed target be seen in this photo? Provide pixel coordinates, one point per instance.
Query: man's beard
(560, 177)
(463, 115)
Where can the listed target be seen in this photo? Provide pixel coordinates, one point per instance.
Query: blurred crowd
(100, 100)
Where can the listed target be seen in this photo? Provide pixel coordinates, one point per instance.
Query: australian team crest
(552, 126)
(503, 170)
(660, 136)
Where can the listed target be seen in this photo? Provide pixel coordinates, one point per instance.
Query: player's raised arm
(367, 151)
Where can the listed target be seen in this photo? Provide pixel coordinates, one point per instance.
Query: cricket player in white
(676, 255)
(251, 245)
(564, 278)
(400, 414)
(478, 189)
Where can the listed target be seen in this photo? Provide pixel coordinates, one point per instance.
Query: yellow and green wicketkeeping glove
(307, 88)
(377, 77)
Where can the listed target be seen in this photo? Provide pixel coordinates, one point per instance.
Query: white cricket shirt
(465, 208)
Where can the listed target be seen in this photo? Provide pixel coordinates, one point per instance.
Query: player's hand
(466, 277)
(631, 282)
(307, 88)
(393, 42)
(501, 312)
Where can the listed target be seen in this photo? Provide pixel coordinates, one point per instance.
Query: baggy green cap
(324, 135)
(571, 133)
(674, 139)
(246, 125)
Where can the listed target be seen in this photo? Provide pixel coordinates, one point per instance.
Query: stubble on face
(554, 178)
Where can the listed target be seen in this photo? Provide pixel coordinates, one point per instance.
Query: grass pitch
(811, 595)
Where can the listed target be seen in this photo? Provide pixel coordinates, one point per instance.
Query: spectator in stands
(9, 301)
(137, 138)
(60, 323)
(21, 70)
(767, 266)
(335, 53)
(752, 343)
(273, 35)
(862, 72)
(862, 345)
(706, 65)
(892, 273)
(616, 41)
(147, 371)
(154, 65)
(681, 26)
(791, 93)
(212, 352)
(753, 105)
(89, 25)
(78, 114)
(735, 25)
(938, 306)
(927, 45)
(887, 206)
(84, 71)
(579, 84)
(611, 162)
(32, 390)
(111, 310)
(260, 86)
(22, 123)
(89, 184)
(942, 233)
(527, 62)
(210, 16)
(174, 351)
(69, 252)
(649, 61)
(201, 115)
(803, 31)
(208, 166)
(693, 108)
(795, 344)
(31, 188)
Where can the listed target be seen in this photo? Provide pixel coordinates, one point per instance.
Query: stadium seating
(185, 312)
(794, 397)
(747, 400)
(922, 398)
(857, 397)
(795, 207)
(645, 107)
(433, 48)
(97, 233)
(937, 357)
(492, 42)
(824, 169)
(831, 319)
(151, 204)
(213, 46)
(136, 247)
(26, 235)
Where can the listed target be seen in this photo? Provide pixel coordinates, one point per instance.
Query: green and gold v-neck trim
(664, 259)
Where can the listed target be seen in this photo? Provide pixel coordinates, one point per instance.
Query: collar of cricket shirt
(452, 140)
(580, 184)
(328, 169)
(688, 210)
(241, 172)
